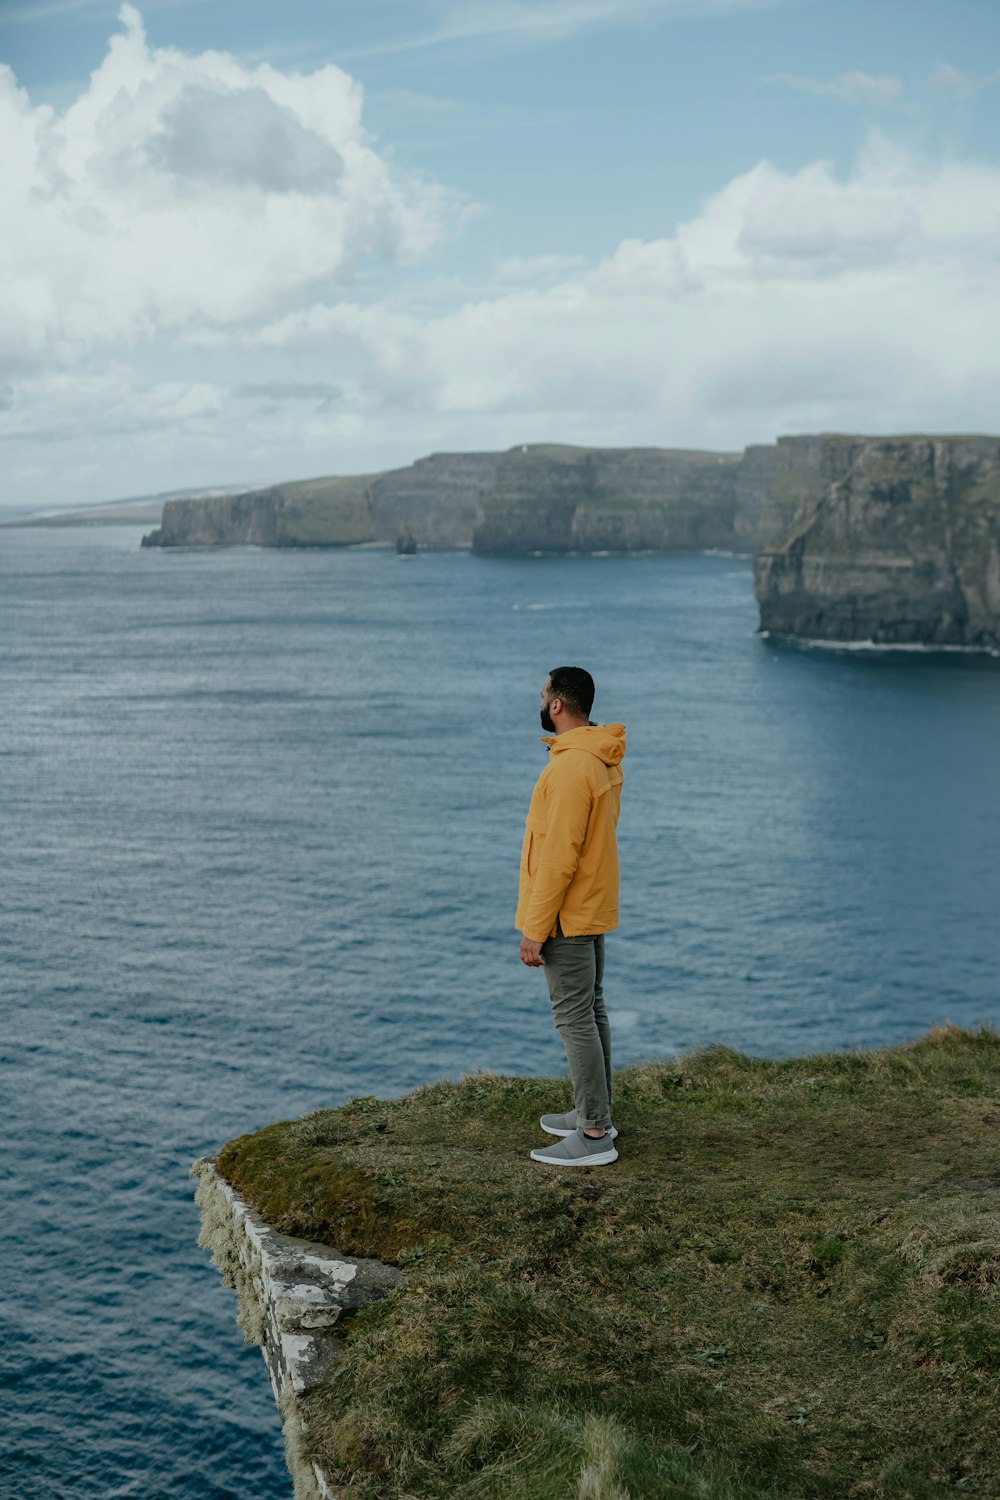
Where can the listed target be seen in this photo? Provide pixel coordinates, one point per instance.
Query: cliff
(534, 498)
(772, 482)
(438, 500)
(883, 539)
(562, 499)
(899, 546)
(551, 498)
(786, 1284)
(295, 1298)
(328, 512)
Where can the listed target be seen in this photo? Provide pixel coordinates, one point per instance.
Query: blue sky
(259, 241)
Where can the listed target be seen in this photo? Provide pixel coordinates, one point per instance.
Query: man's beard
(546, 719)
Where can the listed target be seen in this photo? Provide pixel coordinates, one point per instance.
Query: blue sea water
(261, 818)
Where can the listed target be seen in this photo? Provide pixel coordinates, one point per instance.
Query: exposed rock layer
(772, 482)
(900, 546)
(438, 500)
(293, 1298)
(560, 499)
(890, 540)
(534, 498)
(312, 512)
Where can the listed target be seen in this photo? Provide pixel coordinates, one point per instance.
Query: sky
(250, 241)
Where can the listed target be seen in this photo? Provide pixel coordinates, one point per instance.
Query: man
(568, 900)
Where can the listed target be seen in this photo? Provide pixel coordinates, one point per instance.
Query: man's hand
(531, 954)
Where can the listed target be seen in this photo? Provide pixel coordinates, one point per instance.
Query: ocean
(261, 817)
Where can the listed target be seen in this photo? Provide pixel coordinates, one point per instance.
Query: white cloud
(181, 191)
(215, 212)
(65, 406)
(948, 77)
(867, 90)
(77, 436)
(794, 300)
(536, 267)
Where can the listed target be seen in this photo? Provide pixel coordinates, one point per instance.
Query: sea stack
(901, 546)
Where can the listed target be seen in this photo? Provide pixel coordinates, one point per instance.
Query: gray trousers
(574, 972)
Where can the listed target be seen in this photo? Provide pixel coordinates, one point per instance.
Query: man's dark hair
(575, 686)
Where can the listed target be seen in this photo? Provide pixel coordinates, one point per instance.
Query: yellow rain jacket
(569, 858)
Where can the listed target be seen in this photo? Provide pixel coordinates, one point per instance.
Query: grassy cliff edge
(788, 1284)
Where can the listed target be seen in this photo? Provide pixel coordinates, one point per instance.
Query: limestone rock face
(900, 546)
(294, 1299)
(773, 481)
(310, 513)
(542, 498)
(550, 498)
(438, 500)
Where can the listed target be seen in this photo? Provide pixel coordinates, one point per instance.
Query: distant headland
(539, 498)
(887, 540)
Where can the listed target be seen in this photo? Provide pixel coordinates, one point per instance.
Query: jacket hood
(606, 741)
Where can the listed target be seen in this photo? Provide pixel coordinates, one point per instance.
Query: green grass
(787, 1286)
(326, 487)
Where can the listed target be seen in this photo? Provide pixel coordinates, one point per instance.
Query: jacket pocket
(534, 838)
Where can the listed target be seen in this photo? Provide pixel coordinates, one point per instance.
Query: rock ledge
(293, 1296)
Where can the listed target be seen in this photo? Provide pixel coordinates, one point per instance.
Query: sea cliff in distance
(898, 545)
(334, 512)
(888, 540)
(534, 498)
